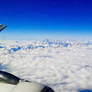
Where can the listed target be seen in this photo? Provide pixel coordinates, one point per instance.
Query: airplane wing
(2, 27)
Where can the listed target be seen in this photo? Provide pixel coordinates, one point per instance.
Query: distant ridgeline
(14, 46)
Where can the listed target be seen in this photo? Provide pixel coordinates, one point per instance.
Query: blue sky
(42, 19)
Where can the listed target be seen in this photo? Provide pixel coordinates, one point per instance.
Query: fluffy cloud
(64, 66)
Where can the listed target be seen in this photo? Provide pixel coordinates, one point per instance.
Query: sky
(43, 19)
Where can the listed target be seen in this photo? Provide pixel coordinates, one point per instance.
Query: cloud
(64, 68)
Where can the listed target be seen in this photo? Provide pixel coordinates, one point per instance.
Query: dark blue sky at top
(46, 18)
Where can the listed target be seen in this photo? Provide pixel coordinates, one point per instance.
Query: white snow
(63, 65)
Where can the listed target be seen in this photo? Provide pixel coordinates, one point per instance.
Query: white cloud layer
(64, 66)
